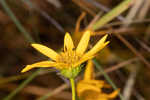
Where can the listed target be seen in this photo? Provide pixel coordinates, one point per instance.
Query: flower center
(69, 58)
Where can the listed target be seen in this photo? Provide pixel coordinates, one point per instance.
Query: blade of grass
(14, 19)
(103, 8)
(22, 85)
(29, 39)
(98, 66)
(112, 14)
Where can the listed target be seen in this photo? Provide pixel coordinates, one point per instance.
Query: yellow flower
(70, 58)
(91, 89)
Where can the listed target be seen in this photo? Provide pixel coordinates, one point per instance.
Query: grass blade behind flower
(112, 14)
(15, 20)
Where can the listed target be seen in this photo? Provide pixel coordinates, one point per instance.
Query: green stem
(73, 89)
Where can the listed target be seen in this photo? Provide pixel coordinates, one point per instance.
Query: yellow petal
(100, 45)
(113, 94)
(97, 83)
(83, 59)
(68, 43)
(104, 96)
(46, 51)
(39, 64)
(89, 71)
(83, 44)
(82, 87)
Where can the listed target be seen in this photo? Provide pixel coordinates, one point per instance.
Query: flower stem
(73, 89)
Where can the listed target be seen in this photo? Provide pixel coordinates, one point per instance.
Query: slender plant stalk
(73, 88)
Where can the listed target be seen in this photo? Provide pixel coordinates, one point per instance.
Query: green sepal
(72, 72)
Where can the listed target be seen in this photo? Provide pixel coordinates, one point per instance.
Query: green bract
(72, 72)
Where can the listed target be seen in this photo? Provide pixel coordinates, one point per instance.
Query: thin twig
(56, 91)
(133, 11)
(45, 15)
(77, 28)
(130, 82)
(147, 34)
(36, 90)
(123, 78)
(93, 21)
(120, 65)
(121, 23)
(81, 5)
(144, 10)
(6, 80)
(124, 31)
(133, 50)
(144, 45)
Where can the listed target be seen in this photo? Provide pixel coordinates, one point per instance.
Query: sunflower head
(69, 61)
